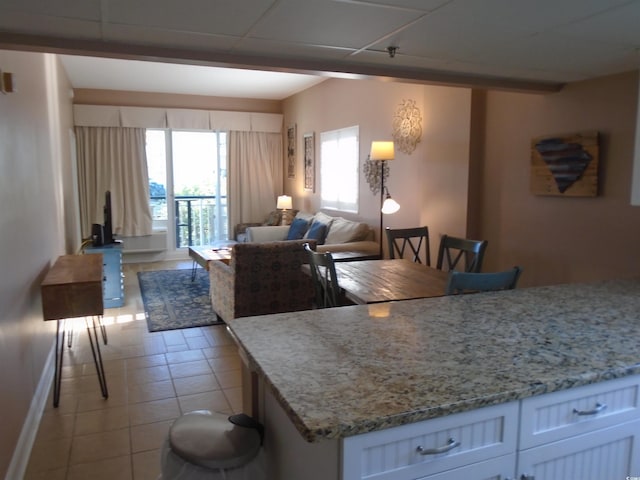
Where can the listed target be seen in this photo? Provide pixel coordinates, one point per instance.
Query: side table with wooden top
(73, 288)
(202, 255)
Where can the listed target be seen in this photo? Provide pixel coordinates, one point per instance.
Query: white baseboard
(22, 452)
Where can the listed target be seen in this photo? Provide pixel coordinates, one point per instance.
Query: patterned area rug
(171, 300)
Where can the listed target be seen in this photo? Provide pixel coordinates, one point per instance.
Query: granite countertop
(350, 370)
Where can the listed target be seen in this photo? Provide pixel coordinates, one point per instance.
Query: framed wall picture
(309, 162)
(565, 165)
(291, 151)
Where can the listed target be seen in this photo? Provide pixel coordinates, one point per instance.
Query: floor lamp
(382, 152)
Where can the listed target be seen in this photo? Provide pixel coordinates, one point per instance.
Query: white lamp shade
(284, 202)
(390, 206)
(381, 151)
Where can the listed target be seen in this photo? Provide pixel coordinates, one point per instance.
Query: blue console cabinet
(113, 279)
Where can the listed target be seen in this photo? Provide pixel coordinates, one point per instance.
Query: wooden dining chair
(325, 279)
(453, 249)
(467, 282)
(414, 238)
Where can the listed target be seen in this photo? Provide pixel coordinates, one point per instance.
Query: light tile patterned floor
(153, 378)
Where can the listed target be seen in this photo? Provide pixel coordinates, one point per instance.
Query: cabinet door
(608, 453)
(501, 468)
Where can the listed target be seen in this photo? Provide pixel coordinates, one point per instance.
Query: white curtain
(114, 159)
(255, 175)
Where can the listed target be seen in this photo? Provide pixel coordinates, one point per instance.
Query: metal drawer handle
(599, 408)
(451, 444)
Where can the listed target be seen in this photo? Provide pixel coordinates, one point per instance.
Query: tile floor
(152, 379)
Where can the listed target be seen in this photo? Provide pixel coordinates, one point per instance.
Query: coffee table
(207, 253)
(353, 256)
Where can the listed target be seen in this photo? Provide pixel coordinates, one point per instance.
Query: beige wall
(430, 183)
(555, 239)
(31, 227)
(469, 174)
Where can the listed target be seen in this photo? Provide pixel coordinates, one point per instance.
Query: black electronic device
(97, 235)
(108, 222)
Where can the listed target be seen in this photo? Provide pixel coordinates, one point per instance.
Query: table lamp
(284, 203)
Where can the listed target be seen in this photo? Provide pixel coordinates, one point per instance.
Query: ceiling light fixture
(392, 51)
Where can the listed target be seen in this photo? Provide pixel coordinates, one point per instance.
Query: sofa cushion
(323, 218)
(305, 216)
(317, 231)
(343, 230)
(297, 229)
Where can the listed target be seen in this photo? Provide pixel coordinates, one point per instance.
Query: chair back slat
(453, 249)
(325, 279)
(401, 239)
(466, 282)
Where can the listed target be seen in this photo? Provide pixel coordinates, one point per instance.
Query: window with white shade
(339, 153)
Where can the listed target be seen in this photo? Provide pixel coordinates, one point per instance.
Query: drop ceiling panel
(19, 22)
(87, 10)
(280, 49)
(420, 5)
(532, 16)
(205, 16)
(619, 25)
(173, 39)
(444, 35)
(331, 23)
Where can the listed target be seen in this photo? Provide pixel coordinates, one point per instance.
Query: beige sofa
(342, 235)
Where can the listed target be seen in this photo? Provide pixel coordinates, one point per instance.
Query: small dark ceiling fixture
(392, 51)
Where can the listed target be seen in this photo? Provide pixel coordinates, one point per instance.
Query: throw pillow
(273, 218)
(317, 232)
(343, 231)
(297, 229)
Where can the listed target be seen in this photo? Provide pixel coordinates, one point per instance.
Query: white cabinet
(586, 433)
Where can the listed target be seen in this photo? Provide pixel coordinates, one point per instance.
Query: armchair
(261, 278)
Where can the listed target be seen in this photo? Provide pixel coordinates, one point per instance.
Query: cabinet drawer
(501, 468)
(394, 453)
(610, 453)
(554, 416)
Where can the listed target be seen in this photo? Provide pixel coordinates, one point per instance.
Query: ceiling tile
(331, 23)
(617, 25)
(163, 38)
(19, 22)
(84, 9)
(226, 17)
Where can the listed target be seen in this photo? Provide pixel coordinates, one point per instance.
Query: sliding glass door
(188, 184)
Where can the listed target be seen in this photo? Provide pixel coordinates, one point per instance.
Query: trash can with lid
(205, 445)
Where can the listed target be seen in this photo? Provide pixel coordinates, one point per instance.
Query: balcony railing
(199, 219)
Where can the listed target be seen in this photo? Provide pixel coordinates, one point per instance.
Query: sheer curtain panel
(255, 175)
(114, 159)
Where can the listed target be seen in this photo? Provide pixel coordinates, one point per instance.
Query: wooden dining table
(374, 281)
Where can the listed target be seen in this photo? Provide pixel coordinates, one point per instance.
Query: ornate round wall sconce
(407, 126)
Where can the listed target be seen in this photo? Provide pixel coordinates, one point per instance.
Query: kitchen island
(359, 391)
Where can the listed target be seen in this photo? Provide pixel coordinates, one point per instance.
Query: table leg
(194, 268)
(103, 329)
(97, 356)
(57, 376)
